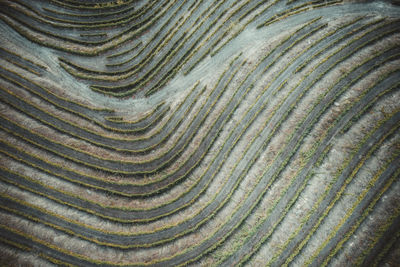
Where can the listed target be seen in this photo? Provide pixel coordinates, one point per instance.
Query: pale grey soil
(253, 43)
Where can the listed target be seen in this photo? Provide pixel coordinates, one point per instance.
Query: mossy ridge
(23, 62)
(81, 5)
(225, 220)
(57, 12)
(390, 246)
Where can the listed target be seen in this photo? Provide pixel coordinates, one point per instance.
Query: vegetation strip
(107, 160)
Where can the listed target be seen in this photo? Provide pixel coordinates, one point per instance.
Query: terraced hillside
(199, 132)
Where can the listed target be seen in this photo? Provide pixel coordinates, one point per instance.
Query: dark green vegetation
(182, 132)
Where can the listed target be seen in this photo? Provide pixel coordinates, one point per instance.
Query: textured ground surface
(204, 133)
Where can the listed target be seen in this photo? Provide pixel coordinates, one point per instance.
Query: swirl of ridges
(223, 133)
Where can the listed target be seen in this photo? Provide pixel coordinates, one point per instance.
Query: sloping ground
(205, 133)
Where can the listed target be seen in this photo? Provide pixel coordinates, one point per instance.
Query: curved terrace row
(280, 148)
